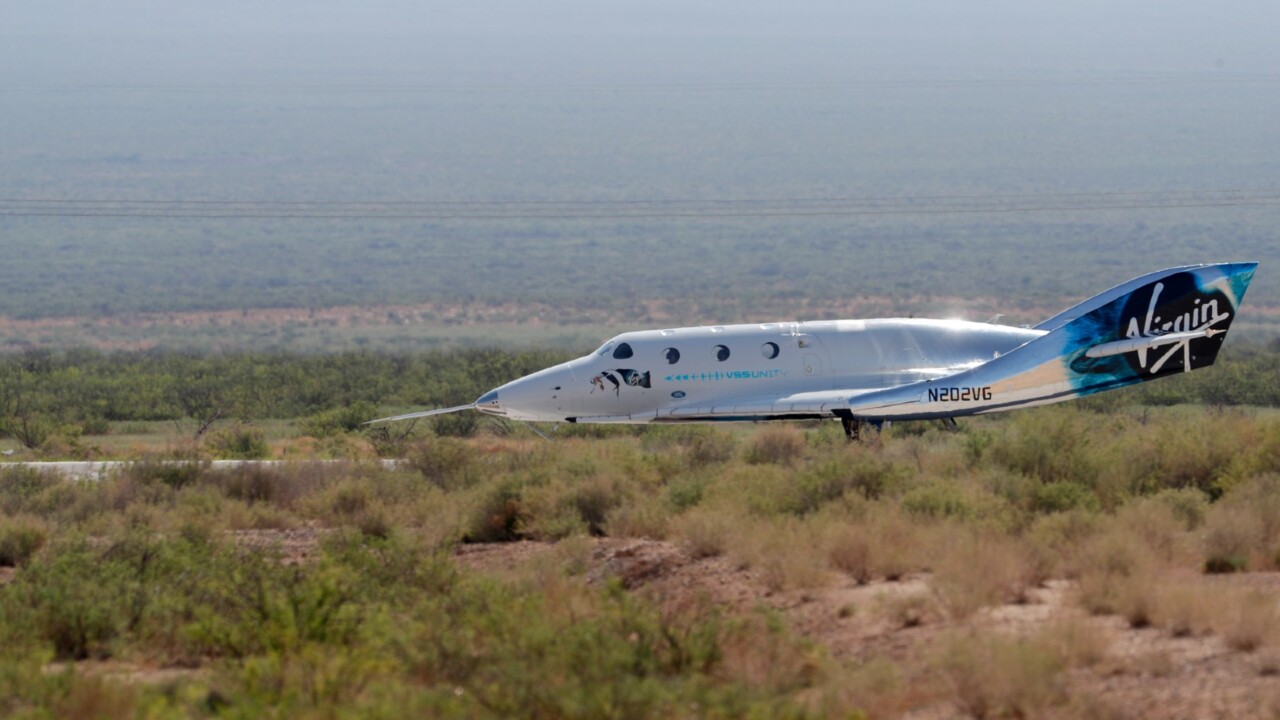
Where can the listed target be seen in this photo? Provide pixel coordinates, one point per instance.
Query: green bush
(20, 538)
(939, 499)
(1061, 495)
(240, 442)
(777, 444)
(500, 514)
(337, 421)
(444, 461)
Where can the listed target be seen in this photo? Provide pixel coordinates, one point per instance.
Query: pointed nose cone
(488, 403)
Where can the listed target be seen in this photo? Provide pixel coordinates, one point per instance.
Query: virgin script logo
(1204, 315)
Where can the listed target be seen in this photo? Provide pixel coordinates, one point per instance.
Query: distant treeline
(87, 386)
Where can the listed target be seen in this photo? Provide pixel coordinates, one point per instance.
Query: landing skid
(852, 427)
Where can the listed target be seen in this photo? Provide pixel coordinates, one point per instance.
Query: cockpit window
(769, 350)
(721, 353)
(604, 349)
(622, 352)
(672, 356)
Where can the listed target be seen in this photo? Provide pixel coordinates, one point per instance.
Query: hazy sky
(1013, 36)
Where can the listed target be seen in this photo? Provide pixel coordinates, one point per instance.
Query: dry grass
(20, 537)
(978, 569)
(1114, 570)
(1184, 609)
(1247, 619)
(785, 552)
(777, 445)
(849, 550)
(704, 532)
(1079, 642)
(994, 676)
(907, 609)
(643, 517)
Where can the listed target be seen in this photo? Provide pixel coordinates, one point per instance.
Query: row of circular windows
(769, 350)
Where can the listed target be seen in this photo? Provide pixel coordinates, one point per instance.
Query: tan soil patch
(295, 545)
(127, 672)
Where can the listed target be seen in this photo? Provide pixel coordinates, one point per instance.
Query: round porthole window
(722, 353)
(769, 350)
(672, 356)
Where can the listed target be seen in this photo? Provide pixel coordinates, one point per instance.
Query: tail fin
(1163, 323)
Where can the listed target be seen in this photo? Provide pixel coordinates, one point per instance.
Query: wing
(424, 413)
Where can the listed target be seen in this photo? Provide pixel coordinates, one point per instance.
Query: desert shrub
(341, 502)
(1061, 495)
(937, 500)
(569, 506)
(1191, 451)
(1077, 641)
(95, 425)
(1188, 505)
(1184, 609)
(978, 569)
(897, 542)
(339, 420)
(446, 462)
(1243, 528)
(872, 476)
(1059, 540)
(1247, 619)
(777, 444)
(75, 601)
(500, 514)
(685, 491)
(1232, 534)
(641, 517)
(774, 489)
(21, 486)
(699, 445)
(849, 550)
(1049, 444)
(1157, 527)
(907, 609)
(1116, 572)
(782, 550)
(710, 448)
(976, 444)
(283, 485)
(456, 425)
(375, 522)
(239, 442)
(995, 676)
(1257, 454)
(251, 483)
(175, 474)
(20, 537)
(705, 532)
